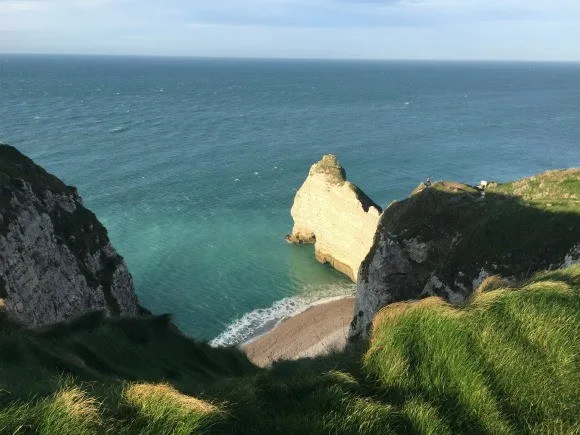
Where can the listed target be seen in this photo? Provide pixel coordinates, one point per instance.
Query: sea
(192, 164)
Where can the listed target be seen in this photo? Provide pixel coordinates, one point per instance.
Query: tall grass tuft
(70, 411)
(161, 409)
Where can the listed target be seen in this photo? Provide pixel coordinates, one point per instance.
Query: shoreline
(315, 331)
(323, 301)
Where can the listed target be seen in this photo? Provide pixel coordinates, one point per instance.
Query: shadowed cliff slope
(56, 261)
(446, 239)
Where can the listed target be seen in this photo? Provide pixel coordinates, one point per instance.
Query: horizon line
(297, 58)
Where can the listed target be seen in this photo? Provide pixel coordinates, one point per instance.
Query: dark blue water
(192, 164)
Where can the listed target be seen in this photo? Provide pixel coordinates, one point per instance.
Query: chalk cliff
(334, 215)
(56, 260)
(444, 240)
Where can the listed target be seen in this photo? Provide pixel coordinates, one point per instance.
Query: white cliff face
(387, 260)
(394, 271)
(336, 216)
(401, 269)
(56, 261)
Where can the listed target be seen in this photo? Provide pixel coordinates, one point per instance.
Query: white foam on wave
(256, 323)
(119, 129)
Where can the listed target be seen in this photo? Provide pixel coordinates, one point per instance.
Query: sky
(358, 29)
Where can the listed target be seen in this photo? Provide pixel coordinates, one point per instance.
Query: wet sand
(316, 331)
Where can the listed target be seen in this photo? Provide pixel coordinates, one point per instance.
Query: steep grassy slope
(98, 374)
(506, 362)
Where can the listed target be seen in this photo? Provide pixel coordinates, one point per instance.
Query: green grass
(507, 362)
(330, 166)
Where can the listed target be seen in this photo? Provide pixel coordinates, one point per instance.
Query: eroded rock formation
(56, 261)
(335, 216)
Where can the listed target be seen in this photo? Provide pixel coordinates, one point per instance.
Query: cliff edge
(444, 240)
(56, 261)
(335, 216)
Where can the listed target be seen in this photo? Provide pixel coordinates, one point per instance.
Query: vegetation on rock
(330, 166)
(514, 228)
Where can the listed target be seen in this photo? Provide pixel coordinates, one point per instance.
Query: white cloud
(456, 29)
(510, 7)
(12, 6)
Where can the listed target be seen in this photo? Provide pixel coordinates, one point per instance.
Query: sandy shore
(314, 332)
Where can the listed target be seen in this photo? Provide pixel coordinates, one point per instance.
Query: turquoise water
(192, 164)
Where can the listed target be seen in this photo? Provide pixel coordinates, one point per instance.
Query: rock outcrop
(444, 240)
(335, 216)
(573, 257)
(56, 261)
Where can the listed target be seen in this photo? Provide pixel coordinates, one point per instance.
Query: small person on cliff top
(428, 181)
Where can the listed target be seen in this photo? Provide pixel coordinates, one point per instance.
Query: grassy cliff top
(335, 174)
(557, 190)
(330, 166)
(506, 363)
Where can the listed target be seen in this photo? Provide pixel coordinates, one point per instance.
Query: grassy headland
(512, 230)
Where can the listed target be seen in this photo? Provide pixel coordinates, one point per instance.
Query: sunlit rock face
(334, 215)
(56, 260)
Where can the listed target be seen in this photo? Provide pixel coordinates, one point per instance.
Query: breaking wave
(258, 322)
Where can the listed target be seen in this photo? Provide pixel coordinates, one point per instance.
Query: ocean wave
(119, 129)
(256, 323)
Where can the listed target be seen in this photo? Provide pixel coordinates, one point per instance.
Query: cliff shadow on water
(446, 239)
